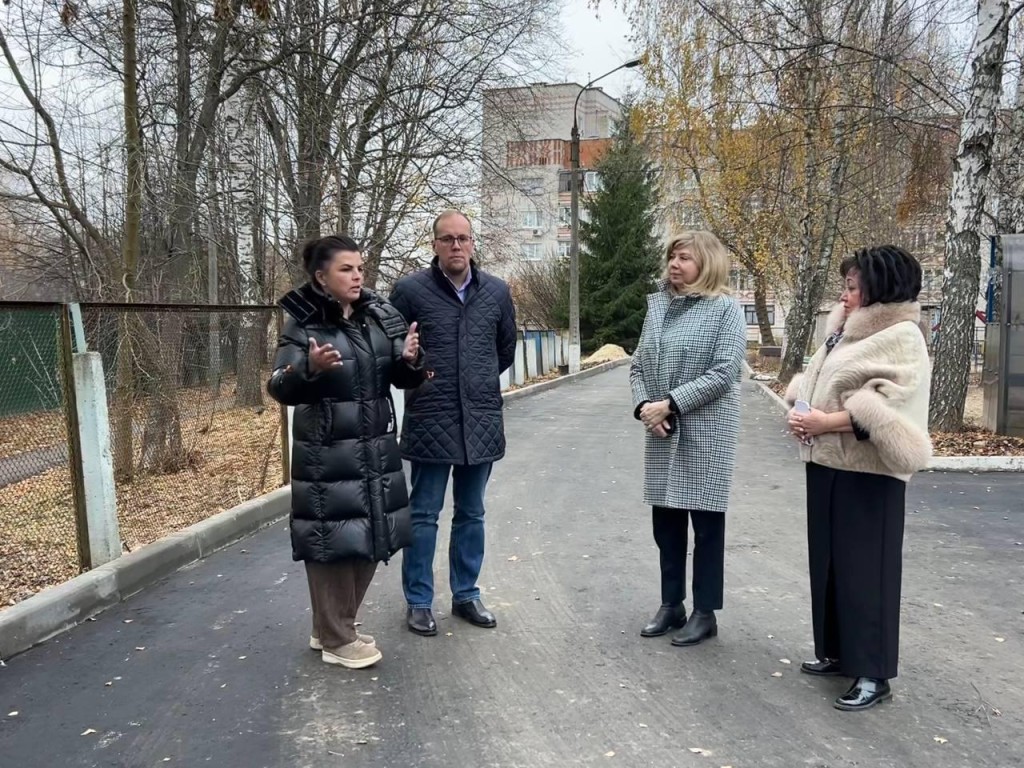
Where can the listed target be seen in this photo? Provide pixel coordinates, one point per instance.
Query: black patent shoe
(475, 613)
(824, 668)
(668, 617)
(699, 627)
(421, 621)
(864, 694)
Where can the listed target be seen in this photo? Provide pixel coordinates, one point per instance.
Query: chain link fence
(192, 430)
(38, 532)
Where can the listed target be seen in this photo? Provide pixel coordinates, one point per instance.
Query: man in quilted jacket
(453, 423)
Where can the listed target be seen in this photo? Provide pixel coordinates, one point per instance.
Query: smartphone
(802, 406)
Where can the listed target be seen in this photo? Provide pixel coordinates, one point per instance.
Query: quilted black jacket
(349, 497)
(454, 417)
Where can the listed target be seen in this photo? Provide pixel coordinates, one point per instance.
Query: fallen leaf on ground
(785, 661)
(941, 740)
(776, 674)
(609, 754)
(128, 621)
(13, 714)
(701, 751)
(242, 658)
(88, 731)
(513, 559)
(1000, 639)
(140, 647)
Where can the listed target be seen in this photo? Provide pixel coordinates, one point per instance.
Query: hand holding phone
(802, 406)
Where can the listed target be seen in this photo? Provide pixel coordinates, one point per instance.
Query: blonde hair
(711, 257)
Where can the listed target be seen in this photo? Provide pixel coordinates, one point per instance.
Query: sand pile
(606, 354)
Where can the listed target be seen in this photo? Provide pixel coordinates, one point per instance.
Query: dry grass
(32, 431)
(234, 457)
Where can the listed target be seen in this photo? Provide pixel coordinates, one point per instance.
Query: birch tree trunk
(960, 286)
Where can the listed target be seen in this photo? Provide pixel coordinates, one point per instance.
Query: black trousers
(855, 552)
(671, 527)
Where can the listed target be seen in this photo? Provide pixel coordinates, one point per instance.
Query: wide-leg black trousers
(855, 551)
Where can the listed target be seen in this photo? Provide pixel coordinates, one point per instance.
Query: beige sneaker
(314, 641)
(355, 655)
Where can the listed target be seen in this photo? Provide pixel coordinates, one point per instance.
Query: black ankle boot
(700, 626)
(668, 617)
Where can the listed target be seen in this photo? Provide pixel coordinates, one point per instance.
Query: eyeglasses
(452, 239)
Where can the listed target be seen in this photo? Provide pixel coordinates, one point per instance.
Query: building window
(563, 249)
(592, 181)
(565, 216)
(750, 311)
(565, 181)
(739, 280)
(530, 219)
(532, 186)
(531, 251)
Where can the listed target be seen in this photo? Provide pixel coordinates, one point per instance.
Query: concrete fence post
(97, 460)
(547, 352)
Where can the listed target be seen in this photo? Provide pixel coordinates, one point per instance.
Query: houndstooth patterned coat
(691, 349)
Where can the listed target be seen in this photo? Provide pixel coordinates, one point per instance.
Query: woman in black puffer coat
(341, 349)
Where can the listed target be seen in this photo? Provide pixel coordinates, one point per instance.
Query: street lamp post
(574, 213)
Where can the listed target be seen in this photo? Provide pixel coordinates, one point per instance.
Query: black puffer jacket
(349, 497)
(455, 417)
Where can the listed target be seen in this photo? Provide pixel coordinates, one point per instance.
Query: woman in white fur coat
(865, 434)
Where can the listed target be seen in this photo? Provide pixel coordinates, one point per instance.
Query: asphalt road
(210, 667)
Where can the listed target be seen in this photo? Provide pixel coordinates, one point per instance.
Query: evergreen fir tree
(619, 254)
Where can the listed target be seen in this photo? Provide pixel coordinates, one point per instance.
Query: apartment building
(525, 198)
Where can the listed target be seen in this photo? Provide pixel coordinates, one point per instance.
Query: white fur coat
(880, 373)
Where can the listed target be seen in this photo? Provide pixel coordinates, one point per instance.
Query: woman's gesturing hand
(411, 350)
(322, 358)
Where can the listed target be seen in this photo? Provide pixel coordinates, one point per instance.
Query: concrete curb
(59, 608)
(544, 386)
(938, 463)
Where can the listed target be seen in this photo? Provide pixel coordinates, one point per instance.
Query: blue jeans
(466, 547)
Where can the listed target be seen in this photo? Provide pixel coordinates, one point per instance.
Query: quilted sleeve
(506, 340)
(292, 383)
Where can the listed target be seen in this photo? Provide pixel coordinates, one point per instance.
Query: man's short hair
(446, 214)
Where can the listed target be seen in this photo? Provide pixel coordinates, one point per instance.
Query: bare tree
(967, 198)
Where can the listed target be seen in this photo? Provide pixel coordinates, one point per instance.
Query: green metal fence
(38, 530)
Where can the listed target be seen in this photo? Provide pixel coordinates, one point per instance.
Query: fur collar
(865, 321)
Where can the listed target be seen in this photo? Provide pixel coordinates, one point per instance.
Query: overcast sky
(600, 42)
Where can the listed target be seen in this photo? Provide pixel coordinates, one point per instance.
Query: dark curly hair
(887, 273)
(316, 254)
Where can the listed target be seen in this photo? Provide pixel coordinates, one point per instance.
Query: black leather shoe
(825, 668)
(421, 621)
(699, 627)
(475, 613)
(864, 694)
(668, 617)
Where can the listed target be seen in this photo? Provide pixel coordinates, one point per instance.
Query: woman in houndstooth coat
(685, 379)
